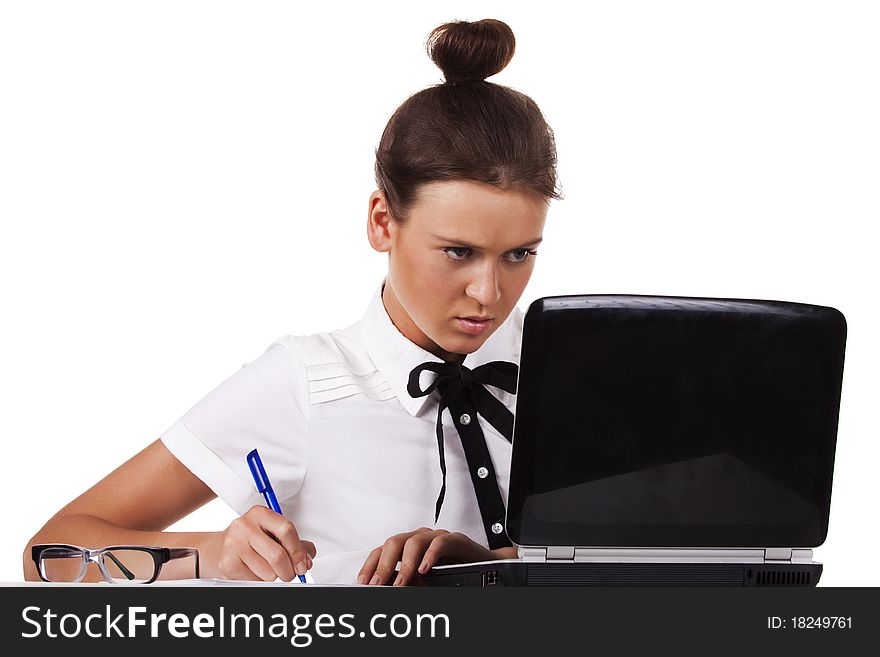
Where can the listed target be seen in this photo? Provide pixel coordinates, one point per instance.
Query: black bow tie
(462, 390)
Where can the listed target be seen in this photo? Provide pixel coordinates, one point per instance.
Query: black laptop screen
(673, 422)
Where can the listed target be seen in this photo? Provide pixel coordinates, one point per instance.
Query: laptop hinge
(543, 554)
(777, 554)
(560, 553)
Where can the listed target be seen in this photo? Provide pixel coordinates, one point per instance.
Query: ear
(380, 226)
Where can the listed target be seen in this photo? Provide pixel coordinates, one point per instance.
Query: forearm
(91, 532)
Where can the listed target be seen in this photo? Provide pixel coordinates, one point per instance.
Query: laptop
(669, 441)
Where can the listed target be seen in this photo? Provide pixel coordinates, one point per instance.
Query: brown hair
(466, 128)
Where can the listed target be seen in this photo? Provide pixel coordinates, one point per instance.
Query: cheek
(515, 277)
(441, 284)
(423, 273)
(424, 284)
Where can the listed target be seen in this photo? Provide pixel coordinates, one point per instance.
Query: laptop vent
(780, 577)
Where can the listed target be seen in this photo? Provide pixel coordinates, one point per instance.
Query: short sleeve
(264, 405)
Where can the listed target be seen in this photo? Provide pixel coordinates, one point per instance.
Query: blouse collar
(396, 356)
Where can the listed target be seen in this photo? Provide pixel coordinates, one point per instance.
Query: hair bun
(467, 51)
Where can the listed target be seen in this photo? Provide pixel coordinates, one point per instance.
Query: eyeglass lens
(129, 565)
(133, 566)
(61, 564)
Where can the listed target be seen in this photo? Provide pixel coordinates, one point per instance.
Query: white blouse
(351, 455)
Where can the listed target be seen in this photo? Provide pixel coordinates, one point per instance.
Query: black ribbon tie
(463, 391)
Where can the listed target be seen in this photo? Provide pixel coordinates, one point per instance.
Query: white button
(497, 528)
(465, 418)
(482, 473)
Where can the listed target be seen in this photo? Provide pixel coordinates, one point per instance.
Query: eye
(460, 253)
(521, 255)
(452, 252)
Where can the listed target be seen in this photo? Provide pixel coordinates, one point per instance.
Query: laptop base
(518, 573)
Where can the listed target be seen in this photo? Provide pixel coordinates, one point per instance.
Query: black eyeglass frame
(161, 556)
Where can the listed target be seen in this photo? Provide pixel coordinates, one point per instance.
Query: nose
(483, 287)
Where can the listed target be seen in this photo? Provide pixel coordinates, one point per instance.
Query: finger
(284, 531)
(413, 550)
(257, 567)
(369, 568)
(391, 553)
(310, 548)
(274, 554)
(432, 555)
(230, 566)
(454, 546)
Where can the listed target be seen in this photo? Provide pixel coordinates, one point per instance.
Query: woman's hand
(259, 545)
(418, 551)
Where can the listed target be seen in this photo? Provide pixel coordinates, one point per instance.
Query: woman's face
(465, 251)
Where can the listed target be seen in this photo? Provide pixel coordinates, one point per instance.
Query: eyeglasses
(133, 564)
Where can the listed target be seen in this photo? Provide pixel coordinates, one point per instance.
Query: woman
(351, 424)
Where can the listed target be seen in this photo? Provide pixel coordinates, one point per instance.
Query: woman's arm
(152, 490)
(131, 505)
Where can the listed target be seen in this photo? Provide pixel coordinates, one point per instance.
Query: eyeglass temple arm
(179, 553)
(125, 571)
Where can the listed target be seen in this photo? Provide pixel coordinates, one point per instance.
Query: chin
(466, 344)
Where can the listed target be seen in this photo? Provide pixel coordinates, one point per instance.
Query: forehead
(477, 213)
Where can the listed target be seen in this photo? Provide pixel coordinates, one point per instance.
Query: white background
(183, 182)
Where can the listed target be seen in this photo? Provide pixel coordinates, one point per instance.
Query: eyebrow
(471, 246)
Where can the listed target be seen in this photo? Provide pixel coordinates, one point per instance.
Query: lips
(474, 326)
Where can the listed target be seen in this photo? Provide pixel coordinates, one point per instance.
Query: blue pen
(265, 487)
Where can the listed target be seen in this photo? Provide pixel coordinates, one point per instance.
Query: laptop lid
(657, 421)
